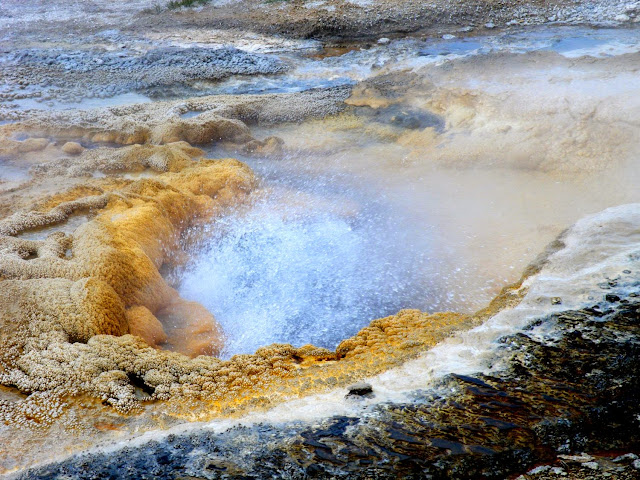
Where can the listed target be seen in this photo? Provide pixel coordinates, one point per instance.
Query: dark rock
(360, 389)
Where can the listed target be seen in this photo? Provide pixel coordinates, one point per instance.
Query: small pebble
(72, 148)
(591, 465)
(360, 389)
(582, 458)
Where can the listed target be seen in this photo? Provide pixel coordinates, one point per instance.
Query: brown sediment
(336, 50)
(144, 324)
(171, 157)
(346, 20)
(12, 147)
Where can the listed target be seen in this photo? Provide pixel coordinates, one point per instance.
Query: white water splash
(300, 272)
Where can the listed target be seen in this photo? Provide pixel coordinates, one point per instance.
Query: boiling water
(313, 260)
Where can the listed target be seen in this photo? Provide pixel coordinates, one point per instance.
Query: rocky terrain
(490, 124)
(331, 19)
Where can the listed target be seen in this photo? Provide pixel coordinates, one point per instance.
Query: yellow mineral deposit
(88, 314)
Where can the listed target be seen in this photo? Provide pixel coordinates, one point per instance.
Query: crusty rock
(72, 148)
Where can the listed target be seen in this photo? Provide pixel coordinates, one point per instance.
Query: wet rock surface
(68, 76)
(360, 389)
(404, 117)
(571, 385)
(336, 19)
